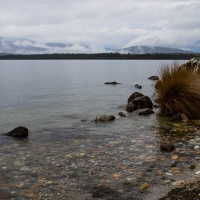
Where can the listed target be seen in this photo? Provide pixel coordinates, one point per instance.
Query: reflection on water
(66, 158)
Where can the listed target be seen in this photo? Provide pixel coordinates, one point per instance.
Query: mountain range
(25, 46)
(151, 50)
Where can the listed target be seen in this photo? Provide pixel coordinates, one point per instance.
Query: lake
(67, 155)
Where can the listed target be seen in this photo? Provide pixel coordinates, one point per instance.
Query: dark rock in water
(138, 86)
(122, 114)
(142, 102)
(145, 111)
(134, 95)
(110, 118)
(112, 83)
(167, 146)
(19, 132)
(131, 107)
(104, 118)
(154, 78)
(180, 117)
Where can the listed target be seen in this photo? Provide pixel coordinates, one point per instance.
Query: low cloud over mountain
(25, 46)
(153, 49)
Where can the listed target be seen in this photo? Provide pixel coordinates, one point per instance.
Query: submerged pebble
(53, 167)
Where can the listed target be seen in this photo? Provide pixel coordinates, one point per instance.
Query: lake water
(67, 156)
(58, 94)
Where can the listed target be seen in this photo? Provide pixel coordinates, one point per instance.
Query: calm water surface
(58, 94)
(66, 154)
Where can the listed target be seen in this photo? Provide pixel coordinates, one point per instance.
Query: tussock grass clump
(178, 90)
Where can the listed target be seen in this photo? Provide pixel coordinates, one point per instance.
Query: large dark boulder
(19, 132)
(142, 102)
(131, 107)
(145, 111)
(134, 95)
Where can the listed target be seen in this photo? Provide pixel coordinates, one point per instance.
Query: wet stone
(145, 186)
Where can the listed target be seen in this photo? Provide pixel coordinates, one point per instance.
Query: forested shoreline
(100, 56)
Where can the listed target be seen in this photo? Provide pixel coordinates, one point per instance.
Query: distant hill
(25, 46)
(151, 50)
(3, 54)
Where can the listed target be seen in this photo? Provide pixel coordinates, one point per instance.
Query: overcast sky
(110, 23)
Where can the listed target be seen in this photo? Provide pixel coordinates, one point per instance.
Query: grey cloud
(112, 23)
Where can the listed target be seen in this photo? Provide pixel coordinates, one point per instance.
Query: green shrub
(178, 91)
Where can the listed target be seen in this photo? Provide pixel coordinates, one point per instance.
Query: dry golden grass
(178, 91)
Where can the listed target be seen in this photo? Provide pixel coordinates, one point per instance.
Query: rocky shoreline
(189, 191)
(80, 163)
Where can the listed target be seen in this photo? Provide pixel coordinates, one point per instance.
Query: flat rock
(104, 118)
(25, 168)
(144, 186)
(111, 83)
(154, 78)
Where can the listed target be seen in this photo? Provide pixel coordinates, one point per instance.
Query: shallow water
(65, 157)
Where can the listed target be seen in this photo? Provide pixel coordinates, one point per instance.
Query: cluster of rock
(140, 102)
(194, 64)
(138, 86)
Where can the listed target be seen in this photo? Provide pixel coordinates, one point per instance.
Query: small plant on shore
(178, 91)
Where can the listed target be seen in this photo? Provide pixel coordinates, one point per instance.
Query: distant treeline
(100, 56)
